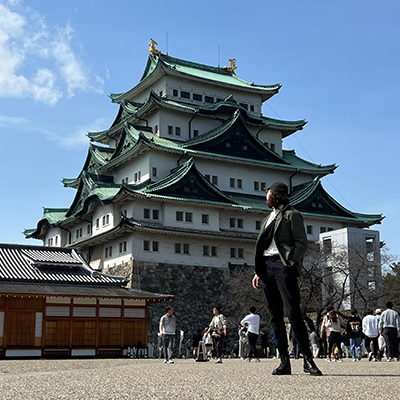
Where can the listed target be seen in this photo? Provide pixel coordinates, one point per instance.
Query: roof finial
(233, 66)
(152, 48)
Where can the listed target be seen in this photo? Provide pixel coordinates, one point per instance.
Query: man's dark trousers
(280, 291)
(392, 346)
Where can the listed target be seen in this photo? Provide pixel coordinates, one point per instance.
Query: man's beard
(270, 203)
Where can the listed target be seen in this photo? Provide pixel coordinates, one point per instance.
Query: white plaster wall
(227, 170)
(98, 212)
(268, 136)
(210, 90)
(129, 169)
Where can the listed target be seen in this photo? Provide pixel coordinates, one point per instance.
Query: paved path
(186, 379)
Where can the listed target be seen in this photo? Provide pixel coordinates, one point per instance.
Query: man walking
(253, 321)
(279, 254)
(354, 331)
(167, 333)
(371, 332)
(390, 329)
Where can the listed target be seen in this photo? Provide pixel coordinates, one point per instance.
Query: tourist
(196, 339)
(335, 337)
(253, 322)
(371, 331)
(218, 332)
(280, 249)
(207, 339)
(390, 329)
(167, 333)
(381, 339)
(354, 331)
(325, 332)
(243, 342)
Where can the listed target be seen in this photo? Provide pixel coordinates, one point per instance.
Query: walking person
(253, 322)
(371, 331)
(354, 330)
(390, 329)
(167, 333)
(335, 337)
(280, 249)
(218, 332)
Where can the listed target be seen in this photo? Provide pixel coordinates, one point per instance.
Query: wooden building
(53, 303)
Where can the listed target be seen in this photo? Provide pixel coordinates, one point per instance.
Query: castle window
(122, 247)
(195, 133)
(179, 216)
(256, 185)
(215, 180)
(197, 97)
(189, 217)
(205, 219)
(214, 251)
(206, 250)
(240, 223)
(244, 147)
(272, 146)
(240, 253)
(263, 186)
(232, 222)
(155, 246)
(97, 223)
(186, 248)
(227, 144)
(170, 130)
(322, 229)
(175, 92)
(232, 182)
(208, 99)
(146, 213)
(177, 248)
(156, 129)
(239, 184)
(233, 252)
(258, 225)
(177, 131)
(207, 177)
(161, 93)
(185, 95)
(244, 105)
(155, 214)
(309, 230)
(146, 245)
(251, 108)
(154, 171)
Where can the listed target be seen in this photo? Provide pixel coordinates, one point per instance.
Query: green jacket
(290, 238)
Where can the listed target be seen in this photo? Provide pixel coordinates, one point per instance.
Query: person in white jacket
(253, 322)
(370, 328)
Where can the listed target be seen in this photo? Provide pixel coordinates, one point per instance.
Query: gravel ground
(186, 379)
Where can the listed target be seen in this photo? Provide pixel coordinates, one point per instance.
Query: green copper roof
(51, 216)
(191, 70)
(312, 199)
(303, 165)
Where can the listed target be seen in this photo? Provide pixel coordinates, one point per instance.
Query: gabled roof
(235, 140)
(311, 199)
(186, 182)
(92, 187)
(51, 216)
(303, 165)
(39, 264)
(167, 65)
(97, 157)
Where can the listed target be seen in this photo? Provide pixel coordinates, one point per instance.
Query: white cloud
(77, 139)
(38, 61)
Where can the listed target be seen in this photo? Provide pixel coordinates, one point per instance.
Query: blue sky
(338, 62)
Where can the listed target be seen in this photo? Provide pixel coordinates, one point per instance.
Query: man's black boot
(310, 367)
(284, 367)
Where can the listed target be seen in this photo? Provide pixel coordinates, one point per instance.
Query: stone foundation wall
(197, 291)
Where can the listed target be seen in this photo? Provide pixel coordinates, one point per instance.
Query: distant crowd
(374, 335)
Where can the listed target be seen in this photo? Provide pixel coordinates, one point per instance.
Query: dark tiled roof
(38, 264)
(78, 290)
